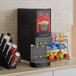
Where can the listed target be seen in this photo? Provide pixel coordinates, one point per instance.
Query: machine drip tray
(40, 63)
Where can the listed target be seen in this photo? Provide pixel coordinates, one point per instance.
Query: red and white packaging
(12, 50)
(16, 56)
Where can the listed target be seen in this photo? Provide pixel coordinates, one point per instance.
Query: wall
(74, 11)
(73, 39)
(61, 15)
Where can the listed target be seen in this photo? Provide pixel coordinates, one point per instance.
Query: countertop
(24, 68)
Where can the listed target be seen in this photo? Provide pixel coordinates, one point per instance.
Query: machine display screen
(43, 20)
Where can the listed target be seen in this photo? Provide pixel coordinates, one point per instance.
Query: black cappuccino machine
(34, 30)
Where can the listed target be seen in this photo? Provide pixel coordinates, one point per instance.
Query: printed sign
(43, 20)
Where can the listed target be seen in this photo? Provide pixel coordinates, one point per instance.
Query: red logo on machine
(43, 24)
